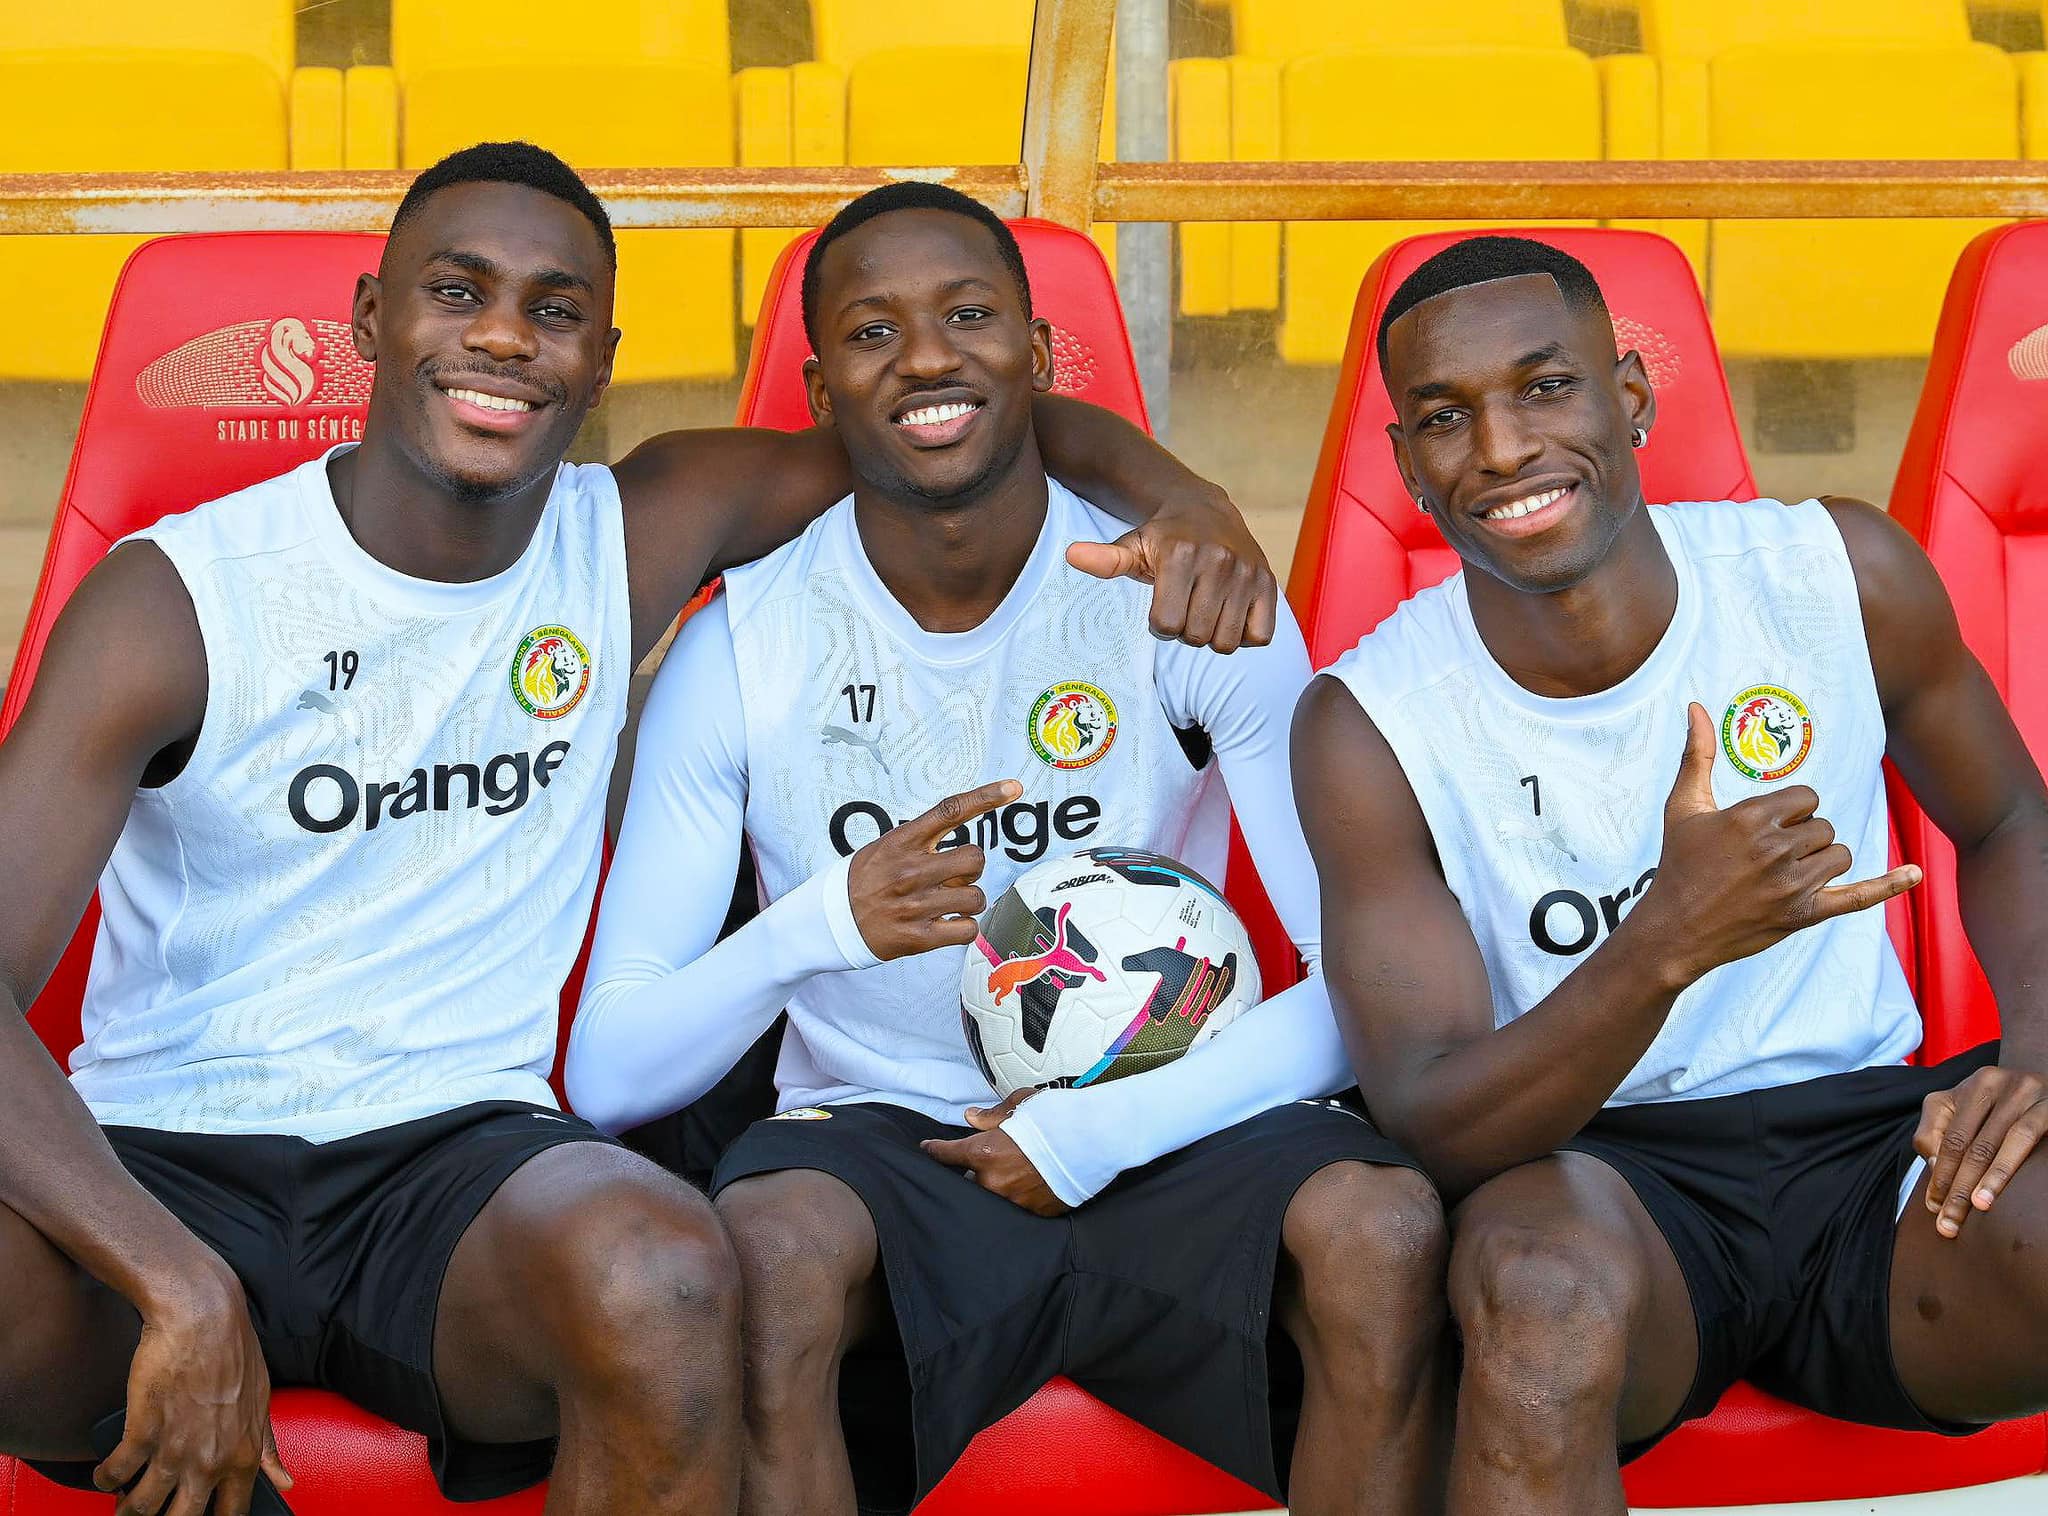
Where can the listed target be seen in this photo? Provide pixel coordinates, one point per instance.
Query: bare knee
(65, 1345)
(1366, 1246)
(807, 1253)
(646, 1282)
(1546, 1314)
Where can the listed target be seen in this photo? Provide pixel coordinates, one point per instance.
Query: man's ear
(604, 369)
(362, 316)
(1638, 399)
(1042, 375)
(814, 392)
(1398, 439)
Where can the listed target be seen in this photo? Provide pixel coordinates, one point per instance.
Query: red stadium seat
(226, 359)
(1364, 548)
(1969, 490)
(1063, 1450)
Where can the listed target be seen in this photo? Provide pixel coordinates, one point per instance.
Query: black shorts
(1156, 1296)
(341, 1248)
(1781, 1206)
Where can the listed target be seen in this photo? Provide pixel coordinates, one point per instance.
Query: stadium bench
(483, 69)
(135, 86)
(1364, 548)
(888, 83)
(1063, 1451)
(1747, 79)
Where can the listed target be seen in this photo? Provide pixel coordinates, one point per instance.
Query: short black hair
(510, 163)
(909, 195)
(1481, 260)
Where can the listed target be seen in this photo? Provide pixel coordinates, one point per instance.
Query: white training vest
(357, 902)
(858, 719)
(1548, 814)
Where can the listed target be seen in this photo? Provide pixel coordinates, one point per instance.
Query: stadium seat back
(123, 110)
(1701, 28)
(429, 34)
(227, 359)
(1364, 547)
(1286, 29)
(1063, 1450)
(843, 32)
(1973, 490)
(1320, 119)
(1883, 278)
(262, 29)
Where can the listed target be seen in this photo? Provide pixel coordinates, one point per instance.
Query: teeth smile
(932, 415)
(1525, 505)
(490, 402)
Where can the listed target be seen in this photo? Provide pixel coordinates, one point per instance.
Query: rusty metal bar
(1567, 191)
(712, 197)
(1063, 107)
(364, 200)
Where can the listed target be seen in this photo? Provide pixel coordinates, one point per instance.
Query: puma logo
(1014, 973)
(839, 736)
(313, 700)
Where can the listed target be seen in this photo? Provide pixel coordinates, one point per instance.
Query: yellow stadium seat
(429, 34)
(901, 83)
(1847, 289)
(1407, 88)
(632, 84)
(1231, 109)
(114, 110)
(260, 29)
(1681, 36)
(675, 294)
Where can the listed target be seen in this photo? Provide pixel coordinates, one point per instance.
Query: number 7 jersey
(1548, 814)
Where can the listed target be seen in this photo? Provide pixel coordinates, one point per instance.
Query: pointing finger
(1843, 899)
(927, 829)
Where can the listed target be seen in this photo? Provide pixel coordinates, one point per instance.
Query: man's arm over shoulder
(667, 1009)
(1285, 1048)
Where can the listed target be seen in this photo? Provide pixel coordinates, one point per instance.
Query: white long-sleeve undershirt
(667, 1009)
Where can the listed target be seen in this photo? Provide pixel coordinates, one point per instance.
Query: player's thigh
(587, 1266)
(810, 1261)
(1969, 1314)
(65, 1346)
(1559, 1258)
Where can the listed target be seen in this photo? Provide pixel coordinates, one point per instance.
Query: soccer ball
(1106, 963)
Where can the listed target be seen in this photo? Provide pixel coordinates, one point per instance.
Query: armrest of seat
(316, 118)
(370, 118)
(1628, 105)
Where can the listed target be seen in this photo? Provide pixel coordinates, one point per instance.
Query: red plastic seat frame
(1364, 547)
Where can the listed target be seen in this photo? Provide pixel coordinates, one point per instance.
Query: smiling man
(1601, 829)
(335, 749)
(864, 709)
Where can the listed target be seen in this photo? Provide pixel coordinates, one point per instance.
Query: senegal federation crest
(1766, 732)
(1072, 724)
(550, 672)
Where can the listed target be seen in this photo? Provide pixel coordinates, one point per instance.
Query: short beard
(900, 487)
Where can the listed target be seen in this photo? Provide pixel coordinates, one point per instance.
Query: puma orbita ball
(1102, 964)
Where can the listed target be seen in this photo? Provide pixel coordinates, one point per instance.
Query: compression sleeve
(666, 1012)
(1285, 1048)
